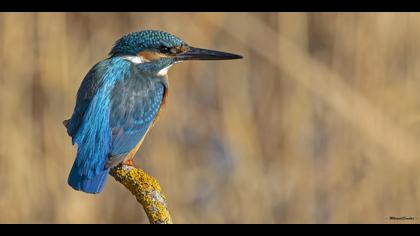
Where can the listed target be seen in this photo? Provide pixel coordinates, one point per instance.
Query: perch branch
(147, 191)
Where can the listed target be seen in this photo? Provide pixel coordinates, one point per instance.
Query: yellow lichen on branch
(147, 191)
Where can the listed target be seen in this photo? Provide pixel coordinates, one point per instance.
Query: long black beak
(205, 54)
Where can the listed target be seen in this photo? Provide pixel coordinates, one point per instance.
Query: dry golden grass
(319, 123)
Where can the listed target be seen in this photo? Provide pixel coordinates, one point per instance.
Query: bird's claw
(128, 163)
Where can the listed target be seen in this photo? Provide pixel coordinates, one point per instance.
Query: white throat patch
(134, 59)
(164, 71)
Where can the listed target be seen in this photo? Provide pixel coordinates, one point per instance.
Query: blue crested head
(147, 40)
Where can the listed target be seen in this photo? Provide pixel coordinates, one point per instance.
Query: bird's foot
(129, 163)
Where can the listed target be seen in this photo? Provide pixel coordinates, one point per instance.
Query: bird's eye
(164, 49)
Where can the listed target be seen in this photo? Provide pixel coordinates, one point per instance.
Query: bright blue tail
(93, 184)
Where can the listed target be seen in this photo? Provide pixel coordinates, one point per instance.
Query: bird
(120, 100)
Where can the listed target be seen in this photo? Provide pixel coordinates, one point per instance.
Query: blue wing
(135, 103)
(89, 125)
(90, 84)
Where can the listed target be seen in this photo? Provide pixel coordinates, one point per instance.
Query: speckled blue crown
(135, 42)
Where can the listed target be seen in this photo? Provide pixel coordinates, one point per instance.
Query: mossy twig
(147, 191)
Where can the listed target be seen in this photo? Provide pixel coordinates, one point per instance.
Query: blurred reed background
(319, 123)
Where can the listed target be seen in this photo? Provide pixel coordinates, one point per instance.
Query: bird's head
(162, 50)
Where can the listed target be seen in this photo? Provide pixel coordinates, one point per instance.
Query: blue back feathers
(89, 125)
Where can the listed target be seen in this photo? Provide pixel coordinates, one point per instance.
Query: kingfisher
(119, 101)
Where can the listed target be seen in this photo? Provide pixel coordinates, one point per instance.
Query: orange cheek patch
(150, 56)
